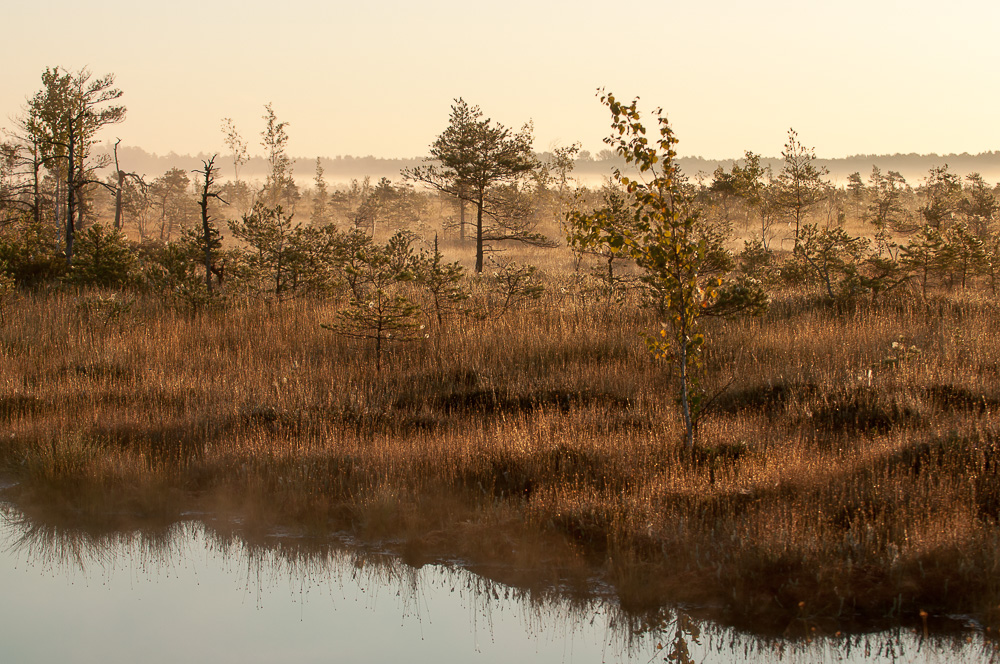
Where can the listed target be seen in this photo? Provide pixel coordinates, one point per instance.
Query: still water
(193, 593)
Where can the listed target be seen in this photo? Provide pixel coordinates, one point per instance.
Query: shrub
(30, 253)
(102, 258)
(378, 311)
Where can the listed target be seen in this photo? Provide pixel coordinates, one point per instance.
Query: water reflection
(203, 591)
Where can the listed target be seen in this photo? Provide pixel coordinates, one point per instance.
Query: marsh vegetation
(838, 470)
(827, 461)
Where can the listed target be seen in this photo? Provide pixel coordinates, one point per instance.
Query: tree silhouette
(480, 162)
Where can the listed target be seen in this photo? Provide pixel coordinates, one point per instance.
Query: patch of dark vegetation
(768, 397)
(119, 396)
(725, 453)
(445, 395)
(583, 466)
(465, 378)
(864, 409)
(437, 412)
(765, 585)
(488, 401)
(606, 421)
(972, 461)
(953, 397)
(940, 454)
(501, 478)
(784, 593)
(719, 456)
(20, 405)
(338, 477)
(346, 418)
(721, 506)
(366, 421)
(518, 476)
(263, 415)
(491, 401)
(165, 441)
(590, 528)
(100, 371)
(958, 310)
(975, 458)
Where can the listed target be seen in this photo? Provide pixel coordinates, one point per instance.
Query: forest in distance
(588, 168)
(746, 390)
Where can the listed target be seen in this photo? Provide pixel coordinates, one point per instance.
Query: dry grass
(840, 480)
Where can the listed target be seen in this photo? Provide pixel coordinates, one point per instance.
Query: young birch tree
(664, 240)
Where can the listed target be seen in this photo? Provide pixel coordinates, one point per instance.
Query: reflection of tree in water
(319, 566)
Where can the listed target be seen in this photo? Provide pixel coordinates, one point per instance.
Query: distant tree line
(201, 237)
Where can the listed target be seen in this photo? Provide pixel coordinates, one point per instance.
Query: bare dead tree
(211, 240)
(120, 185)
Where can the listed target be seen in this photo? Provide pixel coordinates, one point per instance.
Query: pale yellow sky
(378, 78)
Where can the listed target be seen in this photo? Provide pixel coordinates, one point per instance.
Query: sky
(378, 78)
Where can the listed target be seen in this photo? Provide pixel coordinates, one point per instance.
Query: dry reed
(847, 476)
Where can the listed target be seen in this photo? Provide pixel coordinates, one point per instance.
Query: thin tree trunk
(479, 232)
(461, 220)
(118, 190)
(36, 192)
(70, 197)
(59, 202)
(118, 201)
(206, 236)
(685, 398)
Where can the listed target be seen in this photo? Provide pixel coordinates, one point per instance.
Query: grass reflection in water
(409, 608)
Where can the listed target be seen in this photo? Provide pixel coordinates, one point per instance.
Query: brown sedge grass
(544, 445)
